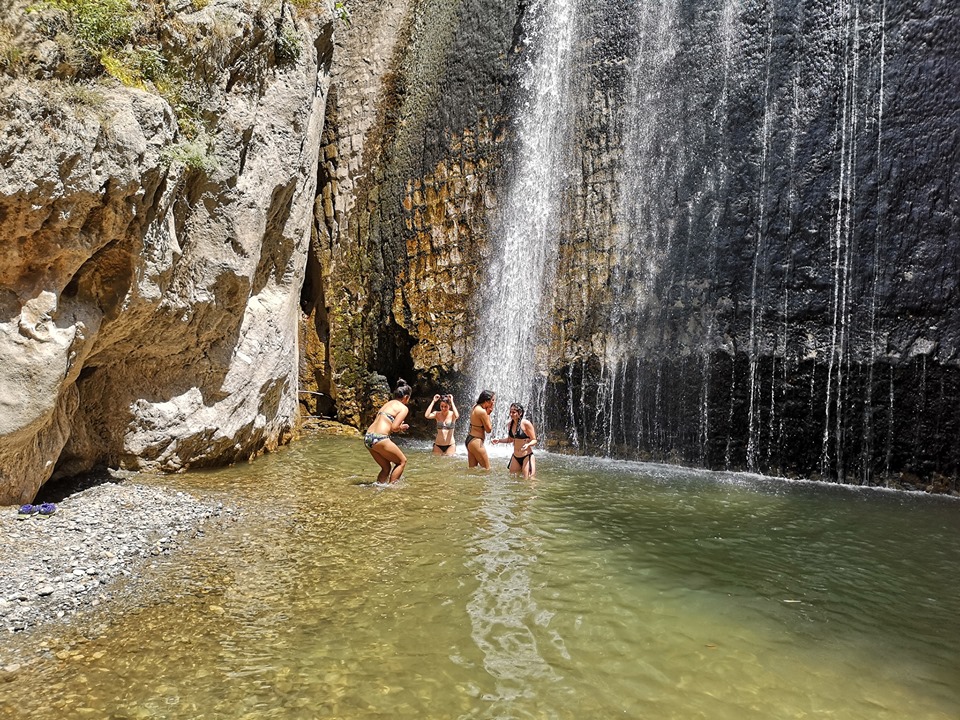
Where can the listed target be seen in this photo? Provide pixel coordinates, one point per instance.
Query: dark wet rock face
(783, 296)
(413, 135)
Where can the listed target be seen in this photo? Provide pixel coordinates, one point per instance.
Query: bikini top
(388, 416)
(447, 425)
(519, 434)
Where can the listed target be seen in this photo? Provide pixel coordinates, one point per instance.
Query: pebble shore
(104, 532)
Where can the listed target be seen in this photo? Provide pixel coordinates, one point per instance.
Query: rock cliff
(415, 125)
(755, 268)
(155, 233)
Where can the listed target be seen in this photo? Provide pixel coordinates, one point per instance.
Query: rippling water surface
(604, 589)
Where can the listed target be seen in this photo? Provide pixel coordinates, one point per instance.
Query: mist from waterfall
(516, 298)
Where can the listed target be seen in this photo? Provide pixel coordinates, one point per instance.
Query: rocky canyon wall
(762, 254)
(154, 236)
(757, 261)
(413, 145)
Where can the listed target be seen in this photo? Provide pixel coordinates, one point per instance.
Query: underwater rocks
(92, 550)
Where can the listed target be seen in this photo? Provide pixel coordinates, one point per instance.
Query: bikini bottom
(521, 460)
(371, 439)
(442, 448)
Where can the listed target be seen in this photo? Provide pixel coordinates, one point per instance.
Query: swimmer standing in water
(480, 425)
(523, 436)
(446, 419)
(389, 419)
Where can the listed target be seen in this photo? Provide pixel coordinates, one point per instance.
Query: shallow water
(603, 589)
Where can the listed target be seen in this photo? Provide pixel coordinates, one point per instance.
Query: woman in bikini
(479, 427)
(523, 436)
(389, 419)
(446, 418)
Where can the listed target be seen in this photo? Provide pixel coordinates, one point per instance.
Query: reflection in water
(502, 610)
(608, 589)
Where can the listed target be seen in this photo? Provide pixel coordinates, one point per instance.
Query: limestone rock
(150, 283)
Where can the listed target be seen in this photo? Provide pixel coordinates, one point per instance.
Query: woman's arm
(487, 422)
(453, 408)
(430, 414)
(398, 424)
(531, 432)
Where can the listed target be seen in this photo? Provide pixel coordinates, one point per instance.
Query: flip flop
(27, 510)
(46, 510)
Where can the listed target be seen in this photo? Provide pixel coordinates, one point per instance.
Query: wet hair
(519, 408)
(403, 390)
(445, 399)
(485, 396)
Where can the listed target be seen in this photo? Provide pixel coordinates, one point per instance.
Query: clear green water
(603, 590)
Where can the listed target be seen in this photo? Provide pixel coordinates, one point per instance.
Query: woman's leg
(515, 467)
(530, 467)
(451, 450)
(477, 454)
(382, 462)
(436, 450)
(388, 450)
(483, 460)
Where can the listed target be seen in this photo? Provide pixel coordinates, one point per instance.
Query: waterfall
(739, 260)
(516, 296)
(739, 313)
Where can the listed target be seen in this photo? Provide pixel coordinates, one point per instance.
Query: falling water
(868, 423)
(528, 225)
(658, 216)
(739, 314)
(646, 232)
(759, 252)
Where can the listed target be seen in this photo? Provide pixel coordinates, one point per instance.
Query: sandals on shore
(43, 510)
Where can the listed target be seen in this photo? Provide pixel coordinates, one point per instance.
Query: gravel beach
(105, 530)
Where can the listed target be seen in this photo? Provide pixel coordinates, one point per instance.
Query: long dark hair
(510, 426)
(485, 396)
(403, 390)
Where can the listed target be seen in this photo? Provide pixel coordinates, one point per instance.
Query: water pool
(603, 589)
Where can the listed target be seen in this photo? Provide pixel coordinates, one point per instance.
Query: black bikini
(518, 435)
(471, 437)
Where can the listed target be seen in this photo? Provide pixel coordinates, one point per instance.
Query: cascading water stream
(528, 222)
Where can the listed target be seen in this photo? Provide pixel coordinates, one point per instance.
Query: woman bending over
(524, 436)
(446, 418)
(389, 419)
(479, 427)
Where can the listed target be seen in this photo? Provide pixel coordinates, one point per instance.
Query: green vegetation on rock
(96, 25)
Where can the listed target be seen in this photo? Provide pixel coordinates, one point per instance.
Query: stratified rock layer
(414, 129)
(757, 267)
